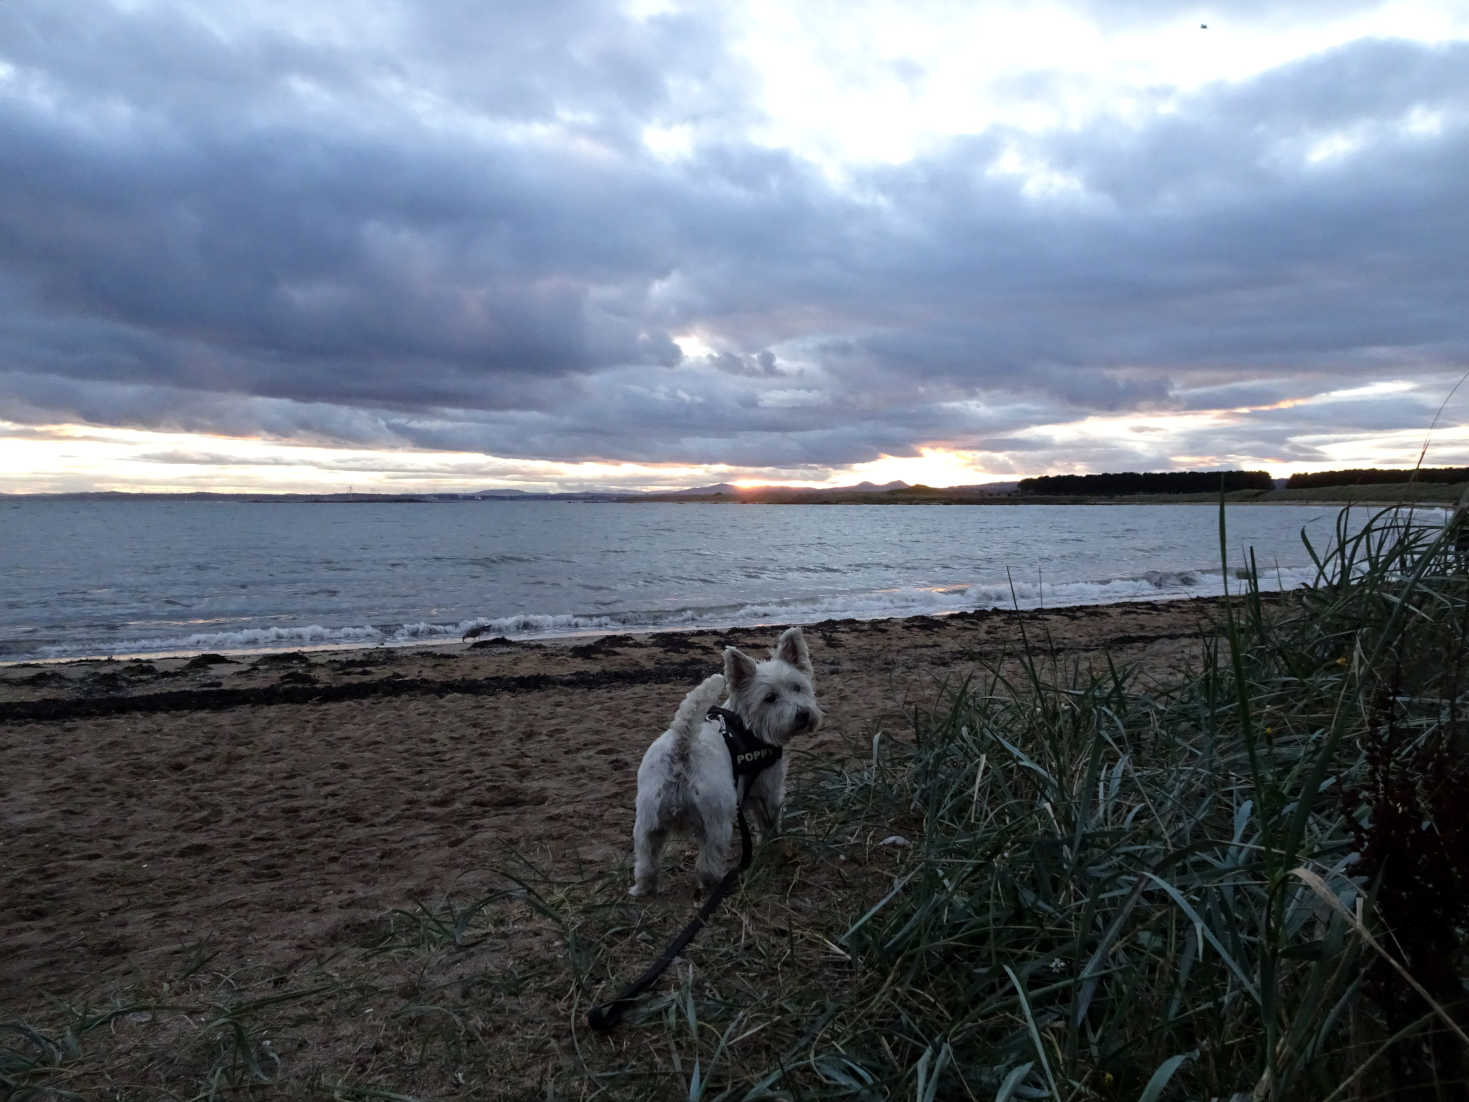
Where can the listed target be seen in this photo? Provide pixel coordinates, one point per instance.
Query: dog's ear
(739, 669)
(792, 648)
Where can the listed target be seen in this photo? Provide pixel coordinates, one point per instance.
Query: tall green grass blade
(1163, 1076)
(1012, 1082)
(1035, 1032)
(1208, 934)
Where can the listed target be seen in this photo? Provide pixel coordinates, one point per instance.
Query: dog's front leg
(766, 799)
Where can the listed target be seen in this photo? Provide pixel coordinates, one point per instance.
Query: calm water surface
(149, 577)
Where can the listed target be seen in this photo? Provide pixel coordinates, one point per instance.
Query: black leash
(748, 756)
(606, 1016)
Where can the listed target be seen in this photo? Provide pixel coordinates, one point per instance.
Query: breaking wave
(875, 604)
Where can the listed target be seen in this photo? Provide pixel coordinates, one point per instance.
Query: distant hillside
(717, 490)
(1444, 486)
(864, 493)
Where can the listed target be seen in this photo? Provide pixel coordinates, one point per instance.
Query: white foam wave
(936, 600)
(273, 638)
(1149, 586)
(546, 624)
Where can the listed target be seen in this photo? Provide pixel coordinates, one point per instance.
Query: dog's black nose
(804, 717)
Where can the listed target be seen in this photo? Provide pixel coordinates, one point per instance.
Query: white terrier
(688, 776)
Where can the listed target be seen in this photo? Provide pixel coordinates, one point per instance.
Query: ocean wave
(547, 624)
(877, 604)
(244, 639)
(1149, 585)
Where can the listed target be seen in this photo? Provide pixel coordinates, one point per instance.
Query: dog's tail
(695, 706)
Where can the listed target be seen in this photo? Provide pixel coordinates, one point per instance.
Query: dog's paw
(643, 889)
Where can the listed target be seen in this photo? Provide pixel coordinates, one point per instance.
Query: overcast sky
(435, 244)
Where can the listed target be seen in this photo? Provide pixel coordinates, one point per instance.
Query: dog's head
(774, 697)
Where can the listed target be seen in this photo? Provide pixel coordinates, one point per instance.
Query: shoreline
(241, 609)
(267, 812)
(127, 676)
(471, 640)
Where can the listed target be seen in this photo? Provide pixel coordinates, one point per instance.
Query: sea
(96, 578)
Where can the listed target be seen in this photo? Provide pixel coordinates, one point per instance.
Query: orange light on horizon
(71, 457)
(934, 465)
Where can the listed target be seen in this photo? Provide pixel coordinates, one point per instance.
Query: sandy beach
(267, 810)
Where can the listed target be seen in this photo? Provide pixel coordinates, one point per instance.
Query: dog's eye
(770, 698)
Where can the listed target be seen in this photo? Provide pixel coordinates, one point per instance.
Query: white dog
(688, 776)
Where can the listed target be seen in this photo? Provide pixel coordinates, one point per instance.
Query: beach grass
(1250, 885)
(1062, 882)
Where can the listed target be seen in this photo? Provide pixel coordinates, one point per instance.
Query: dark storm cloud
(1205, 237)
(450, 235)
(762, 364)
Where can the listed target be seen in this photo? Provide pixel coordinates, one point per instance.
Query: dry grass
(1063, 883)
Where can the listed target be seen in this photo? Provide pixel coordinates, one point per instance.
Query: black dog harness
(749, 756)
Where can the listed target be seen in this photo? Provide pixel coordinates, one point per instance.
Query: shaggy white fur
(685, 781)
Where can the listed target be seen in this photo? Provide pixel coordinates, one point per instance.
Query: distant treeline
(1133, 482)
(1370, 475)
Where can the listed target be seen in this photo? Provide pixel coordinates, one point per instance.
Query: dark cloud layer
(439, 226)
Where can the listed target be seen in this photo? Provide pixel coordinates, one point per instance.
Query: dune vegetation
(1065, 882)
(1253, 884)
